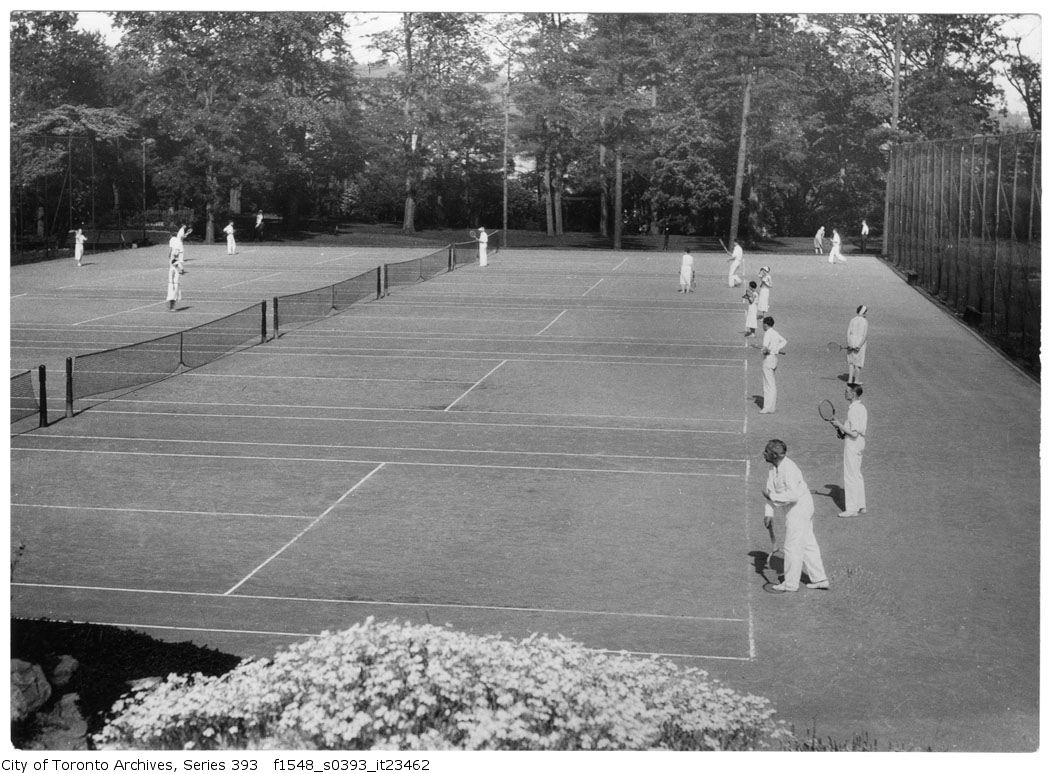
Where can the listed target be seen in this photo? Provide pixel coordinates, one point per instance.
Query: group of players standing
(786, 492)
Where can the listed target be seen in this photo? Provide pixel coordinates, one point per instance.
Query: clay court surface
(558, 442)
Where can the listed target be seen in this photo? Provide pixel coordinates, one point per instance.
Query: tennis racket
(473, 234)
(826, 409)
(725, 248)
(834, 346)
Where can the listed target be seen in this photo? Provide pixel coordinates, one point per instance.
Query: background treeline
(710, 124)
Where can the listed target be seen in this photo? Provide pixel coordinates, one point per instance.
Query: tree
(1025, 75)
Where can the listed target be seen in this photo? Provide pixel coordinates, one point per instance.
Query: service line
(479, 381)
(545, 327)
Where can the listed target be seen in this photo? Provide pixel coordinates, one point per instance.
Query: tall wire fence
(965, 225)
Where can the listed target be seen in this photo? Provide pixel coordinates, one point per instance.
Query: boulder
(29, 689)
(63, 672)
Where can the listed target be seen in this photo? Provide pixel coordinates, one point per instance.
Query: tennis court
(558, 442)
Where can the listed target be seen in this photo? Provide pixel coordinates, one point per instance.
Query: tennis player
(765, 285)
(174, 285)
(835, 256)
(735, 260)
(787, 492)
(685, 274)
(183, 232)
(818, 241)
(78, 245)
(483, 247)
(231, 243)
(772, 345)
(857, 344)
(854, 438)
(751, 316)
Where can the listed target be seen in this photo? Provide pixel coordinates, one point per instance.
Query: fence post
(69, 387)
(276, 321)
(42, 379)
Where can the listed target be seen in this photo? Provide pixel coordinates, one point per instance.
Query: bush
(402, 687)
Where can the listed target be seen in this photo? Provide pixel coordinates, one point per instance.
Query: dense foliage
(762, 124)
(403, 687)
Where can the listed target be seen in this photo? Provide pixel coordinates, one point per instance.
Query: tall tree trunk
(547, 198)
(741, 156)
(603, 223)
(209, 206)
(408, 225)
(618, 198)
(895, 120)
(559, 185)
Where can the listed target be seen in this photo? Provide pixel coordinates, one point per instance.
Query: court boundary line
(621, 428)
(461, 412)
(479, 381)
(386, 603)
(518, 357)
(158, 511)
(592, 287)
(437, 449)
(115, 314)
(260, 458)
(305, 529)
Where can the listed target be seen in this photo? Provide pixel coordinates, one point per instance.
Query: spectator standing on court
(78, 245)
(854, 438)
(735, 260)
(751, 316)
(231, 244)
(818, 241)
(772, 345)
(483, 247)
(174, 285)
(259, 226)
(685, 274)
(864, 231)
(836, 247)
(765, 285)
(786, 490)
(857, 344)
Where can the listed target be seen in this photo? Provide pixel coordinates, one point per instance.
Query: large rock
(64, 728)
(29, 689)
(63, 672)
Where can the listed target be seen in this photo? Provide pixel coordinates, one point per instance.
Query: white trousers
(835, 255)
(801, 551)
(483, 254)
(853, 479)
(231, 245)
(769, 383)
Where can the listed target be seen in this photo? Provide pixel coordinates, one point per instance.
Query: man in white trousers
(854, 438)
(735, 260)
(835, 255)
(483, 247)
(787, 492)
(231, 243)
(857, 344)
(772, 345)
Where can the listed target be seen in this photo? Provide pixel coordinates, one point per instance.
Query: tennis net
(313, 305)
(467, 252)
(24, 403)
(417, 269)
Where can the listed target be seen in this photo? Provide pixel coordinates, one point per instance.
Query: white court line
(473, 450)
(260, 458)
(746, 398)
(155, 510)
(442, 411)
(117, 314)
(523, 357)
(304, 530)
(621, 263)
(592, 287)
(385, 603)
(545, 327)
(18, 295)
(747, 537)
(342, 257)
(296, 418)
(479, 381)
(254, 279)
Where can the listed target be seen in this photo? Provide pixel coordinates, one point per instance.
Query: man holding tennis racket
(787, 492)
(772, 345)
(854, 438)
(736, 258)
(483, 247)
(857, 344)
(685, 273)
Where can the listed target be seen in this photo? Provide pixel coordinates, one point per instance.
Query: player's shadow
(835, 493)
(758, 400)
(844, 378)
(763, 561)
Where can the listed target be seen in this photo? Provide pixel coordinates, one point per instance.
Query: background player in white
(857, 344)
(854, 438)
(78, 245)
(685, 274)
(836, 247)
(765, 285)
(483, 247)
(174, 285)
(231, 244)
(735, 260)
(864, 231)
(772, 345)
(786, 490)
(818, 241)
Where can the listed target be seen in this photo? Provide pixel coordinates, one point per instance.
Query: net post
(262, 337)
(276, 319)
(451, 258)
(69, 387)
(42, 377)
(386, 279)
(379, 282)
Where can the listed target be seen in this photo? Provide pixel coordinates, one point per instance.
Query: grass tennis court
(558, 442)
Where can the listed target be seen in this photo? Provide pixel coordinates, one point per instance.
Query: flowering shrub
(402, 687)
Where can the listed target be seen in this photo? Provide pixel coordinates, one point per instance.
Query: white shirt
(857, 332)
(738, 253)
(483, 237)
(175, 245)
(864, 228)
(773, 342)
(228, 230)
(786, 486)
(836, 240)
(687, 261)
(856, 420)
